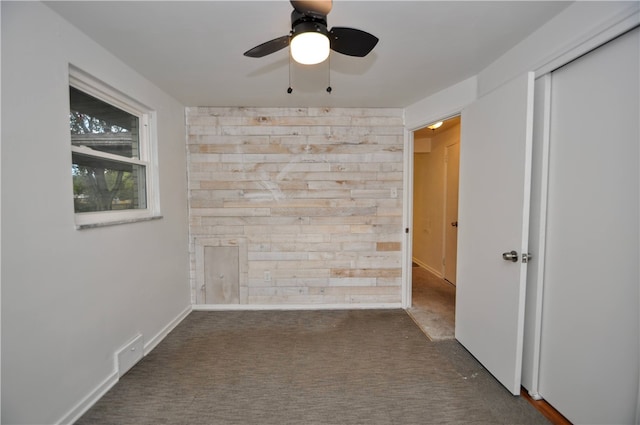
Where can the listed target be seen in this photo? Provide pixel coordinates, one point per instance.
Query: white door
(452, 155)
(495, 179)
(589, 346)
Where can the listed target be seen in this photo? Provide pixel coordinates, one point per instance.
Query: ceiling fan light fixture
(310, 42)
(310, 48)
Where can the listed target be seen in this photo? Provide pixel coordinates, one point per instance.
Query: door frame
(448, 104)
(441, 270)
(407, 226)
(407, 220)
(446, 224)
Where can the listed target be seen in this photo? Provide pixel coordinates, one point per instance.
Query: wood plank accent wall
(315, 194)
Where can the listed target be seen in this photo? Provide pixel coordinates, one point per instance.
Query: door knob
(510, 256)
(454, 223)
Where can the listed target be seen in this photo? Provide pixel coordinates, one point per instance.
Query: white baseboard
(89, 400)
(535, 396)
(256, 307)
(438, 273)
(153, 342)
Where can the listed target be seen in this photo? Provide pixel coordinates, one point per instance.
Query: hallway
(433, 307)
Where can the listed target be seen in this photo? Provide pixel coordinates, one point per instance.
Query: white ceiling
(194, 50)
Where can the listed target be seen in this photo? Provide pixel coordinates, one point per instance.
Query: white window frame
(147, 149)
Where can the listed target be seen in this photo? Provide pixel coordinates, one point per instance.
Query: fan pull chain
(329, 73)
(289, 89)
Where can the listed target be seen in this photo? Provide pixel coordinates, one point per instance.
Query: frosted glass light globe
(310, 48)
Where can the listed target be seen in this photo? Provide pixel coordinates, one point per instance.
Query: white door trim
(537, 244)
(442, 105)
(445, 220)
(407, 219)
(598, 35)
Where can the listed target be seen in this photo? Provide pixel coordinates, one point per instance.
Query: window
(111, 156)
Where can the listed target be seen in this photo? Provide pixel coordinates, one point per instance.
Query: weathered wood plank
(316, 193)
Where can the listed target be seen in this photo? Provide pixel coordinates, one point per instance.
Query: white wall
(444, 104)
(579, 28)
(71, 298)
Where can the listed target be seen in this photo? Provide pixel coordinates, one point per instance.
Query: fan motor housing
(301, 23)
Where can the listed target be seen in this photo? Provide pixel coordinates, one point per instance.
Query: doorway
(434, 243)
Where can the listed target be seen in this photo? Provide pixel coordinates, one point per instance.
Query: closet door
(590, 324)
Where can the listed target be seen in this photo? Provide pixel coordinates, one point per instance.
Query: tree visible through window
(107, 170)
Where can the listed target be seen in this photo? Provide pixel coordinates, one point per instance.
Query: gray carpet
(307, 367)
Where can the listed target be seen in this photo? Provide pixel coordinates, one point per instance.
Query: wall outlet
(267, 276)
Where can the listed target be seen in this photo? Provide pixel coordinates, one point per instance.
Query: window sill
(116, 222)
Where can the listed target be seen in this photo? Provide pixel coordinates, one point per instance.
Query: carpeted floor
(434, 304)
(307, 367)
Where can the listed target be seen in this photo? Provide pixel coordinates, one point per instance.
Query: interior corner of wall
(445, 103)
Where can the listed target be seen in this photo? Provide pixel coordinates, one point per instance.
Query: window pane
(102, 127)
(105, 185)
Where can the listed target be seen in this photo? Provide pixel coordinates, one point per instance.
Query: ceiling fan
(310, 40)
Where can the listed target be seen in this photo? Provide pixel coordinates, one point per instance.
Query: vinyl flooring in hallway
(434, 302)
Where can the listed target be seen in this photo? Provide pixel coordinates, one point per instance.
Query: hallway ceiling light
(435, 125)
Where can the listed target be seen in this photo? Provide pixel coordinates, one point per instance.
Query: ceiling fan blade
(313, 7)
(352, 42)
(269, 47)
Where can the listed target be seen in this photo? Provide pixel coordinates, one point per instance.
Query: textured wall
(312, 196)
